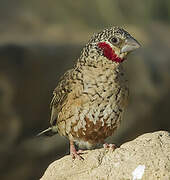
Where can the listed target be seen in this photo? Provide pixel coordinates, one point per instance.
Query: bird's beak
(130, 45)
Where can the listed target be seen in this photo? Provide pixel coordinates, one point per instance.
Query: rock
(147, 158)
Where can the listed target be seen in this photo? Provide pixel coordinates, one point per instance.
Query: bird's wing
(59, 95)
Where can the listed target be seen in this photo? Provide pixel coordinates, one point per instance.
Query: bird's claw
(109, 146)
(75, 154)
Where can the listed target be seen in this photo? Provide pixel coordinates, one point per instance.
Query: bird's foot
(75, 154)
(109, 146)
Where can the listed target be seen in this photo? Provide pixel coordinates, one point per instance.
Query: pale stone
(146, 158)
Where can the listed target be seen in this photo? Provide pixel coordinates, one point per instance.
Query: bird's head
(113, 43)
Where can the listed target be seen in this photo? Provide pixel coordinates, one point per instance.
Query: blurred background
(40, 40)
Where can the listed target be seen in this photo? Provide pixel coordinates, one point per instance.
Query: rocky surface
(147, 158)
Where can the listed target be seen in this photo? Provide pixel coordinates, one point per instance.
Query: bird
(89, 101)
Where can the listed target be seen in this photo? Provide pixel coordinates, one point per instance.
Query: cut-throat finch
(89, 100)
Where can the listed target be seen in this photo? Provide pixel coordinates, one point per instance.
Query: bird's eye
(115, 40)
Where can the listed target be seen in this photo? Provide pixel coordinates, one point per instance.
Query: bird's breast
(94, 107)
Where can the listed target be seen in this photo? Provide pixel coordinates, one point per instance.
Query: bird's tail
(48, 132)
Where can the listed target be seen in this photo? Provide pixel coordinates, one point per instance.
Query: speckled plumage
(90, 99)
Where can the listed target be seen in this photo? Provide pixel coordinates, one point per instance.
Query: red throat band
(109, 53)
